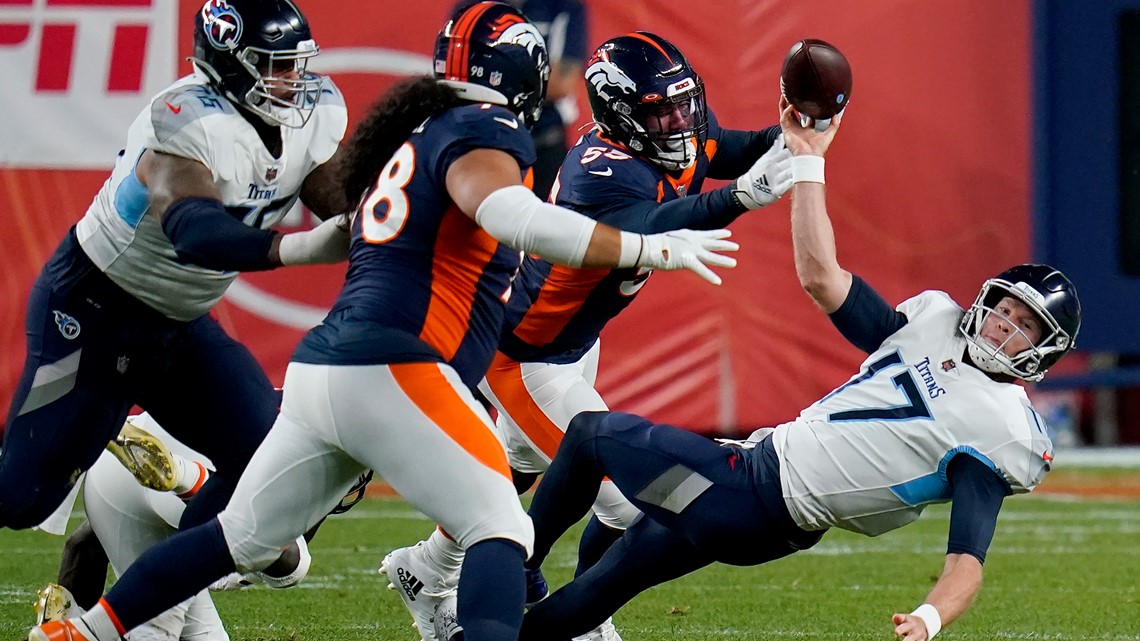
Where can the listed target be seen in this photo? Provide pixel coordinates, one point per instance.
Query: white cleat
(446, 621)
(604, 632)
(421, 586)
(55, 603)
(145, 457)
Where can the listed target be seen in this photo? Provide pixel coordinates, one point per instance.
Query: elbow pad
(516, 217)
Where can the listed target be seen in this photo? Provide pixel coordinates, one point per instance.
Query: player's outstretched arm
(485, 184)
(951, 596)
(813, 239)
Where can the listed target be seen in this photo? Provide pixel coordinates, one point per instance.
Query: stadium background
(930, 181)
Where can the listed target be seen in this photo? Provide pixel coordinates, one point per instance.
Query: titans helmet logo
(609, 81)
(222, 24)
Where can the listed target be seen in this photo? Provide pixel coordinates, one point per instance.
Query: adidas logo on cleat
(409, 583)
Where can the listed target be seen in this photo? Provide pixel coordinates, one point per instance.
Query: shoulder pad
(174, 110)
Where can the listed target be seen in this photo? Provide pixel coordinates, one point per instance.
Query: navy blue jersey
(556, 313)
(424, 281)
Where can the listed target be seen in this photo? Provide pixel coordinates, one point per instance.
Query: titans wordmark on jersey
(425, 282)
(869, 456)
(192, 120)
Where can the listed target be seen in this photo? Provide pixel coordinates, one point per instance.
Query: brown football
(816, 79)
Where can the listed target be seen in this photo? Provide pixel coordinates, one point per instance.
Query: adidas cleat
(421, 586)
(145, 457)
(446, 622)
(536, 588)
(604, 632)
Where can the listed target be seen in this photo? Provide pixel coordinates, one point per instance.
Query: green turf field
(1058, 570)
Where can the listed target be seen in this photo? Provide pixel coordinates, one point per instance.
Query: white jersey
(192, 120)
(869, 456)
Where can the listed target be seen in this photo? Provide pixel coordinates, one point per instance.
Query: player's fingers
(699, 268)
(712, 258)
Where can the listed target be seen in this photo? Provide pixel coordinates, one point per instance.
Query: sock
(444, 553)
(101, 622)
(191, 476)
(491, 591)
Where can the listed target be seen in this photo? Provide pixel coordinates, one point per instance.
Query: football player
(933, 415)
(642, 169)
(385, 382)
(119, 315)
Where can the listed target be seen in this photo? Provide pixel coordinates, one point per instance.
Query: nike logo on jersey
(513, 124)
(172, 108)
(608, 171)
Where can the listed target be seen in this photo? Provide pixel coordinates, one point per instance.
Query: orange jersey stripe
(710, 148)
(460, 253)
(505, 379)
(437, 398)
(562, 295)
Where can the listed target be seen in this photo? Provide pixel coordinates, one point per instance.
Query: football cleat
(604, 632)
(446, 621)
(64, 630)
(55, 603)
(420, 585)
(536, 588)
(145, 457)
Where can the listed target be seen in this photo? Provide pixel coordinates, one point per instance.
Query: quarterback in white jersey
(933, 415)
(118, 316)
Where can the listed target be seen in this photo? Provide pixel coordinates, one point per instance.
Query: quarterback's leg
(420, 427)
(646, 555)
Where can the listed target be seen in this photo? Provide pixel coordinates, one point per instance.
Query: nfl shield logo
(496, 78)
(270, 174)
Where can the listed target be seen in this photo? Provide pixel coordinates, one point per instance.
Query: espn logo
(56, 28)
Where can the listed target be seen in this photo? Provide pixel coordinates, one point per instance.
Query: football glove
(688, 249)
(769, 178)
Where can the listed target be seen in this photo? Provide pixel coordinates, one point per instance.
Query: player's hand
(806, 141)
(909, 627)
(769, 178)
(689, 249)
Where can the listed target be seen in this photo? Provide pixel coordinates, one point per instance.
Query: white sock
(98, 624)
(444, 553)
(191, 476)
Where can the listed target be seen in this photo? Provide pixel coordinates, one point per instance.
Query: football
(816, 80)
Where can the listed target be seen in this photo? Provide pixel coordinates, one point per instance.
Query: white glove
(325, 244)
(688, 249)
(769, 178)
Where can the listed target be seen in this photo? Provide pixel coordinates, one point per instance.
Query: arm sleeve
(204, 234)
(977, 493)
(736, 151)
(710, 210)
(864, 318)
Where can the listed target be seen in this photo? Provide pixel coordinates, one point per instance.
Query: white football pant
(416, 424)
(535, 402)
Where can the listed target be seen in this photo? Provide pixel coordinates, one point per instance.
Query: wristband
(632, 246)
(930, 617)
(807, 169)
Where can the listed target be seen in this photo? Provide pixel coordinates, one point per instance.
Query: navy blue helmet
(491, 53)
(256, 53)
(1050, 295)
(645, 95)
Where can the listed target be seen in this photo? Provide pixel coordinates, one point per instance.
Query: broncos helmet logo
(222, 24)
(606, 77)
(512, 29)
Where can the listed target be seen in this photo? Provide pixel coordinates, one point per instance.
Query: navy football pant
(93, 352)
(702, 502)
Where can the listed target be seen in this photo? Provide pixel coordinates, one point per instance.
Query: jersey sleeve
(736, 150)
(192, 122)
(864, 318)
(484, 127)
(329, 120)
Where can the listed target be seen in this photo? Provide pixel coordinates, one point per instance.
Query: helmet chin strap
(668, 158)
(985, 361)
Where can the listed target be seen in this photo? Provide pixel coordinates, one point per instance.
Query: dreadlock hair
(387, 126)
